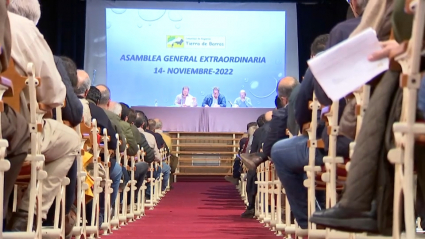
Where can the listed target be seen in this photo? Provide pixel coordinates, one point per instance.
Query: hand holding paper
(345, 67)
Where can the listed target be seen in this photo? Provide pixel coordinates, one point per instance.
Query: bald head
(268, 116)
(285, 87)
(83, 84)
(105, 95)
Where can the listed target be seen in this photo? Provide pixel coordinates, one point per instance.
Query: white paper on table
(345, 67)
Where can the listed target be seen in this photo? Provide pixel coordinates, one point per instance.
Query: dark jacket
(73, 110)
(243, 143)
(338, 34)
(104, 123)
(278, 126)
(292, 125)
(260, 136)
(208, 100)
(160, 142)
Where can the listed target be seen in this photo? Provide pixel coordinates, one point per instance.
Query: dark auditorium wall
(63, 25)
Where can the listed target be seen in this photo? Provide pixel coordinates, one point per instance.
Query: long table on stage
(198, 119)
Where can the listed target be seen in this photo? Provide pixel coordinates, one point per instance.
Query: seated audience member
(141, 124)
(115, 170)
(160, 143)
(94, 95)
(242, 101)
(168, 143)
(291, 155)
(258, 139)
(287, 92)
(185, 99)
(81, 90)
(141, 167)
(126, 127)
(104, 101)
(72, 115)
(158, 129)
(251, 132)
(117, 109)
(140, 138)
(215, 99)
(14, 127)
(59, 143)
(93, 111)
(243, 145)
(368, 191)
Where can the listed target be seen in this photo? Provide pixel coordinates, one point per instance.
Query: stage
(200, 119)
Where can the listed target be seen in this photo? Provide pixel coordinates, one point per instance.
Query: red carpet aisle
(204, 210)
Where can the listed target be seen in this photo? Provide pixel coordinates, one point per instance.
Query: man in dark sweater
(291, 155)
(251, 176)
(287, 91)
(243, 144)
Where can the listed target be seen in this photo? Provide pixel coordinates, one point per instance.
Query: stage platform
(198, 119)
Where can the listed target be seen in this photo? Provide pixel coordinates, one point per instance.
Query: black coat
(73, 110)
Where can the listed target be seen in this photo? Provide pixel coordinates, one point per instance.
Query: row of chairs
(89, 185)
(331, 176)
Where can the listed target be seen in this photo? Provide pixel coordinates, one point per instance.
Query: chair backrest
(12, 97)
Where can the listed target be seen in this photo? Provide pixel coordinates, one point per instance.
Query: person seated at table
(185, 99)
(242, 101)
(215, 99)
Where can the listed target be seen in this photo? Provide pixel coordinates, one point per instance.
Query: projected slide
(153, 56)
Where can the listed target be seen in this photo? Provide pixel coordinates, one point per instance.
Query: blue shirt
(243, 104)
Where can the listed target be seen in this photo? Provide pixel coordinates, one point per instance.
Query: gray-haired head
(105, 94)
(29, 9)
(84, 83)
(115, 107)
(158, 124)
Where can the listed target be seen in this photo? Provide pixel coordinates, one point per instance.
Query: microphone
(231, 105)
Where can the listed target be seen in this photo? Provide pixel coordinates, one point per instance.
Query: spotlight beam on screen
(153, 50)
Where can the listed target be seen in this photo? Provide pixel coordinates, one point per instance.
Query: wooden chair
(123, 211)
(79, 229)
(115, 222)
(311, 169)
(6, 88)
(93, 229)
(140, 204)
(106, 225)
(132, 169)
(406, 130)
(35, 159)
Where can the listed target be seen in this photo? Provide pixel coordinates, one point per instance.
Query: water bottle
(156, 103)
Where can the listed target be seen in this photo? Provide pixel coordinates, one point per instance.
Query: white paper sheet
(345, 67)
